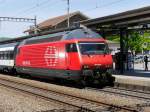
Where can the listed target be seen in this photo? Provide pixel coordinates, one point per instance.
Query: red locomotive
(80, 55)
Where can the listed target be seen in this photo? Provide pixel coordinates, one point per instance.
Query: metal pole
(68, 10)
(35, 25)
(0, 24)
(127, 48)
(121, 50)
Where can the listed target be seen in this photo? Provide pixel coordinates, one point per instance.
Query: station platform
(132, 80)
(138, 77)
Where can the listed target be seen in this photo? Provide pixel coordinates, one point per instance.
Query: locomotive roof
(20, 39)
(59, 34)
(66, 35)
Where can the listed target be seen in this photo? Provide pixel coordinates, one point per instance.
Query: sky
(45, 9)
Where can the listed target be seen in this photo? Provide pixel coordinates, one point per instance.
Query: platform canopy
(130, 18)
(136, 17)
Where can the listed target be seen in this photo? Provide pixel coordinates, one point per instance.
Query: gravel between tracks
(95, 96)
(14, 101)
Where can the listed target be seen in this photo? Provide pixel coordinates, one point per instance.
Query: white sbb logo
(51, 56)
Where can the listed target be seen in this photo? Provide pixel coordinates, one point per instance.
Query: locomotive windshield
(93, 48)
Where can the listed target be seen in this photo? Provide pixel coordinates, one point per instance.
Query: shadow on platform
(136, 72)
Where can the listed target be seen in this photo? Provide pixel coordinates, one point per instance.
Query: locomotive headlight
(107, 66)
(85, 66)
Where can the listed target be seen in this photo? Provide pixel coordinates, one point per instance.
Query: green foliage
(135, 42)
(146, 43)
(114, 38)
(146, 34)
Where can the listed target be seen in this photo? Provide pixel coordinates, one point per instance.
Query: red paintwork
(52, 55)
(100, 60)
(45, 55)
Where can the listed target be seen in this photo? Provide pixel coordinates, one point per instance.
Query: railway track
(78, 103)
(133, 94)
(125, 92)
(132, 87)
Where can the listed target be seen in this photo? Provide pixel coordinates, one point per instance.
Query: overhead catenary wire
(46, 2)
(49, 4)
(105, 5)
(33, 7)
(68, 6)
(101, 6)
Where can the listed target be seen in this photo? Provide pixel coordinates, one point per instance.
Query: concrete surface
(138, 76)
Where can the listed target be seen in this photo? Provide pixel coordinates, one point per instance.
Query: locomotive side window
(71, 47)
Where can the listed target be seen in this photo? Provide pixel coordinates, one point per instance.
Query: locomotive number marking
(26, 62)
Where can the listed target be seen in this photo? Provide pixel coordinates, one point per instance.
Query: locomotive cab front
(96, 62)
(93, 59)
(89, 54)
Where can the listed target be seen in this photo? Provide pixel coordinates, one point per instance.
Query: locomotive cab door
(73, 60)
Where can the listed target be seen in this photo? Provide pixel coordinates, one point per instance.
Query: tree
(146, 45)
(135, 42)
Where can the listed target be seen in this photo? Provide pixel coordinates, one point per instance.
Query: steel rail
(133, 87)
(124, 92)
(13, 84)
(44, 97)
(126, 89)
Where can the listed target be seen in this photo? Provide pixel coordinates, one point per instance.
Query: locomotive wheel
(102, 81)
(81, 84)
(110, 79)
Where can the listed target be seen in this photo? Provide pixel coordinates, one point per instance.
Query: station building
(61, 22)
(58, 22)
